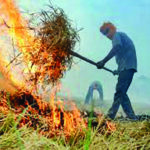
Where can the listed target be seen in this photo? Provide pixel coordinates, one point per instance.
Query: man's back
(126, 56)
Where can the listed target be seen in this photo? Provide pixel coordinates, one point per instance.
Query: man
(124, 51)
(96, 85)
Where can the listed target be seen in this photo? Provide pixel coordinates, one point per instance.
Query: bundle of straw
(53, 43)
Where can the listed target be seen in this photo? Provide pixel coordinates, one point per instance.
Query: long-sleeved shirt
(126, 56)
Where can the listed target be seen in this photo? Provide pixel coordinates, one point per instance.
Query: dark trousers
(120, 97)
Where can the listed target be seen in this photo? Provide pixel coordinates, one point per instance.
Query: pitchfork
(90, 61)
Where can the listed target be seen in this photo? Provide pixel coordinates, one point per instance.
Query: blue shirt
(126, 56)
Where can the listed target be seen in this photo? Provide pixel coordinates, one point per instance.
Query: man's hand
(115, 72)
(100, 64)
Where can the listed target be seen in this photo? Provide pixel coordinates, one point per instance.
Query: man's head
(108, 29)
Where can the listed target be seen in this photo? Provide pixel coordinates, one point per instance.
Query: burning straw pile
(51, 121)
(47, 57)
(53, 42)
(44, 42)
(31, 111)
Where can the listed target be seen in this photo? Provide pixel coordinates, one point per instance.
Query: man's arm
(112, 53)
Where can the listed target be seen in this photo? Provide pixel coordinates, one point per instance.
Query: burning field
(35, 53)
(40, 45)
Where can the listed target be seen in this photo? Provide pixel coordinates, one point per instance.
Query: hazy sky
(130, 16)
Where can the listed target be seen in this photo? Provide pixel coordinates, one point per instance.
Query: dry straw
(54, 41)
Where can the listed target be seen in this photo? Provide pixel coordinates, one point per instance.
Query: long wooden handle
(88, 60)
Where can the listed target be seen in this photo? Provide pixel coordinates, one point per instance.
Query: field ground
(139, 108)
(128, 136)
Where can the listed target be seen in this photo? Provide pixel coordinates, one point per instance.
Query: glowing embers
(52, 120)
(57, 38)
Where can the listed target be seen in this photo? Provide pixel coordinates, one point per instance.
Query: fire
(51, 121)
(17, 24)
(111, 126)
(36, 113)
(44, 57)
(12, 26)
(51, 117)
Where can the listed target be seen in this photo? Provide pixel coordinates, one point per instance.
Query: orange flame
(111, 127)
(15, 26)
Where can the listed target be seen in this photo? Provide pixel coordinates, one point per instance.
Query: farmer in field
(124, 51)
(96, 85)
